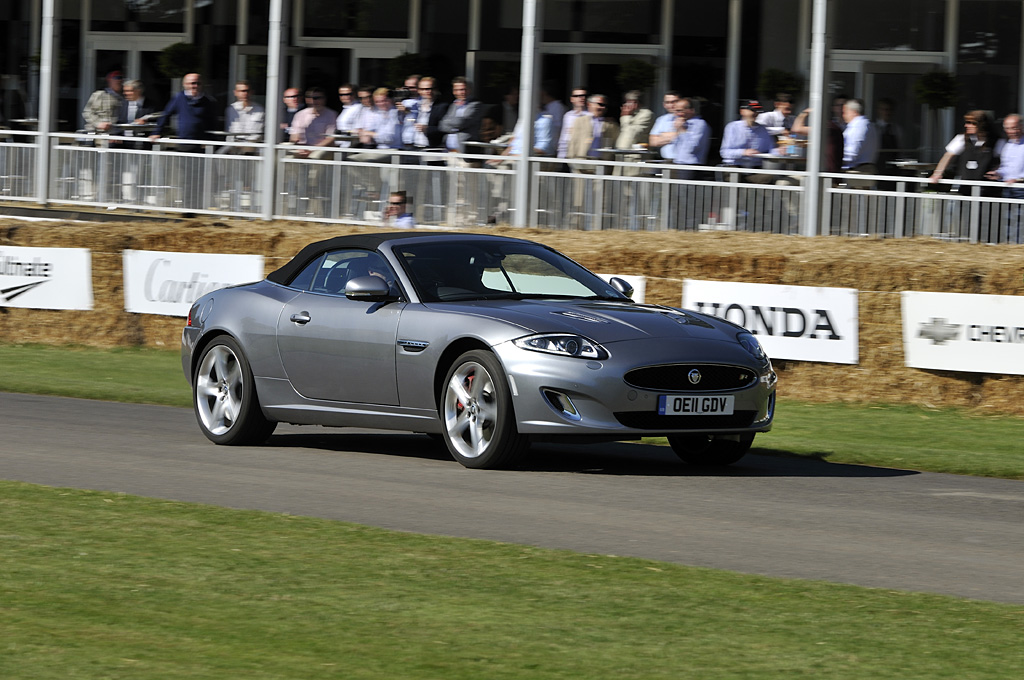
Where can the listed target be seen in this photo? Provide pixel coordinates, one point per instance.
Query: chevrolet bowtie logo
(938, 331)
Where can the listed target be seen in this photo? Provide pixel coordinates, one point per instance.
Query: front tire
(477, 414)
(224, 397)
(709, 451)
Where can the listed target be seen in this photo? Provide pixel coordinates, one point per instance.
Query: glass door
(135, 56)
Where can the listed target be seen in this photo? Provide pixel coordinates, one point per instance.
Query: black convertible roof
(367, 241)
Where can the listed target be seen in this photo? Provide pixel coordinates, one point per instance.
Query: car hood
(601, 321)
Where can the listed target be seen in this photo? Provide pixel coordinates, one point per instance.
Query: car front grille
(675, 377)
(650, 420)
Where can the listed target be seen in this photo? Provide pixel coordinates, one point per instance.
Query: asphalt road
(874, 527)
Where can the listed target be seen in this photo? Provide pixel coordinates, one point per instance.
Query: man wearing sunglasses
(292, 101)
(314, 125)
(421, 125)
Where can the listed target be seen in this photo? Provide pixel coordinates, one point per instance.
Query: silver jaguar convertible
(487, 342)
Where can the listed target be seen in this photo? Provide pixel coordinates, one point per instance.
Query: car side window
(332, 273)
(305, 277)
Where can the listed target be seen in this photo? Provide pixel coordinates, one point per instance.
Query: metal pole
(821, 113)
(273, 109)
(732, 61)
(527, 112)
(45, 102)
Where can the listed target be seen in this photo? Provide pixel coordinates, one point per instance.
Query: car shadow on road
(631, 458)
(614, 458)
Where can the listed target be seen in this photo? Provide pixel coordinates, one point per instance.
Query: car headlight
(563, 344)
(750, 343)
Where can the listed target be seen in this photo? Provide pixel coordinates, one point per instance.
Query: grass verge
(906, 437)
(106, 585)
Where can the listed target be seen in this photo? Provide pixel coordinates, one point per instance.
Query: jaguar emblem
(693, 376)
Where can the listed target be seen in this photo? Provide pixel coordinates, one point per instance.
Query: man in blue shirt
(692, 137)
(743, 139)
(661, 132)
(860, 144)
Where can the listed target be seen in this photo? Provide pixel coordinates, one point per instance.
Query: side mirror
(368, 289)
(622, 286)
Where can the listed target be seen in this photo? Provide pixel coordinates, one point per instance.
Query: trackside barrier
(18, 165)
(347, 185)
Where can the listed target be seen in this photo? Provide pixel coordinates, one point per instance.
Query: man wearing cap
(104, 106)
(743, 139)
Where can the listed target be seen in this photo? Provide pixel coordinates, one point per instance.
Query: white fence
(18, 152)
(348, 185)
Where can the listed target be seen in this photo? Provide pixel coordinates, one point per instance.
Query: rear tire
(477, 415)
(708, 451)
(224, 397)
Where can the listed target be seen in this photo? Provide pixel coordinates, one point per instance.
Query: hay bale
(879, 269)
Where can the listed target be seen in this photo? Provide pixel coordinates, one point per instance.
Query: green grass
(146, 376)
(102, 585)
(906, 437)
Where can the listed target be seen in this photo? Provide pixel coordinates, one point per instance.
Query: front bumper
(557, 396)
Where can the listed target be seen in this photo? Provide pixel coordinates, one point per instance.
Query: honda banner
(791, 322)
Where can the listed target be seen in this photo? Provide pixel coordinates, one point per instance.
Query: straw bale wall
(878, 269)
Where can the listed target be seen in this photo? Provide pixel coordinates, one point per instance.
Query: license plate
(671, 405)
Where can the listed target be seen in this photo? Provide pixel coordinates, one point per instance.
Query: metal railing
(898, 207)
(18, 153)
(347, 185)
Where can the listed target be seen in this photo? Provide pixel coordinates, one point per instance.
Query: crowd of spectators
(420, 116)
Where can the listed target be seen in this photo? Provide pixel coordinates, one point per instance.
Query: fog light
(562, 404)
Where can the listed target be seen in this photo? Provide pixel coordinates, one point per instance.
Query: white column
(811, 209)
(527, 111)
(46, 62)
(275, 39)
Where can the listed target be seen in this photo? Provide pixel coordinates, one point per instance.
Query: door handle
(301, 318)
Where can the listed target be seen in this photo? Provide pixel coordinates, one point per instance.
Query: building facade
(718, 51)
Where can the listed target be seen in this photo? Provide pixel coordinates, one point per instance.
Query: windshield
(488, 270)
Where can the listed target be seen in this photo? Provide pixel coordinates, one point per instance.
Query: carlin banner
(157, 282)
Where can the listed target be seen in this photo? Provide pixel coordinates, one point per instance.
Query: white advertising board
(639, 284)
(157, 282)
(45, 278)
(963, 332)
(802, 323)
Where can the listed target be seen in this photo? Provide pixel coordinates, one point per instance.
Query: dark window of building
(501, 23)
(989, 45)
(608, 21)
(888, 25)
(989, 32)
(259, 22)
(355, 19)
(445, 27)
(164, 16)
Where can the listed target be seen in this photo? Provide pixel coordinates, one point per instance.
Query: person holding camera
(421, 125)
